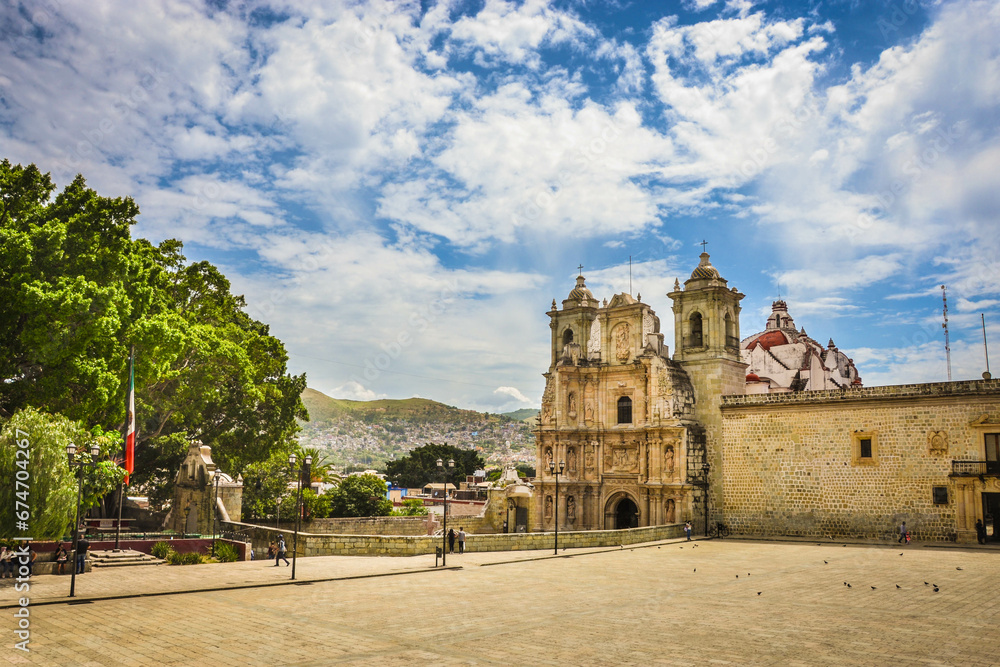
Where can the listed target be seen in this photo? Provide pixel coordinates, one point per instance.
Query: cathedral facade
(772, 434)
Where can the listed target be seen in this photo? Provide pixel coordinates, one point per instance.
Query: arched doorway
(621, 512)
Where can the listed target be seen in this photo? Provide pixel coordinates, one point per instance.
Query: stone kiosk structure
(775, 433)
(194, 494)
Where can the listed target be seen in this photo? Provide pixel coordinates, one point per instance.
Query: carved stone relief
(623, 344)
(937, 442)
(571, 460)
(548, 507)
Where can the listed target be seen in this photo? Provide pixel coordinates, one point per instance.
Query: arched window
(624, 410)
(696, 330)
(567, 337)
(731, 339)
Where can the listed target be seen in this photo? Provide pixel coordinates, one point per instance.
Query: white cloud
(514, 393)
(355, 391)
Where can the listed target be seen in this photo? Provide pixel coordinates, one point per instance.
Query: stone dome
(705, 270)
(580, 292)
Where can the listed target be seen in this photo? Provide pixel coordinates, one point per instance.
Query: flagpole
(129, 419)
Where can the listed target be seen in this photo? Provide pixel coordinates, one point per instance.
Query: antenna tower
(947, 345)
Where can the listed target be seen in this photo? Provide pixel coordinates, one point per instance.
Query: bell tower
(571, 326)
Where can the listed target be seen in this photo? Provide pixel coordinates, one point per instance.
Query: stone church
(772, 434)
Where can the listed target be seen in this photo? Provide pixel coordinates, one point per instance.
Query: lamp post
(301, 472)
(95, 450)
(445, 473)
(554, 471)
(215, 506)
(705, 468)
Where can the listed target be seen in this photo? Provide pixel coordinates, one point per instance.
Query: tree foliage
(419, 467)
(411, 507)
(49, 484)
(359, 495)
(76, 292)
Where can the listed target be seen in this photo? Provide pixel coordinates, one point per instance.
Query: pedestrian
(6, 563)
(61, 558)
(451, 540)
(687, 530)
(461, 540)
(82, 545)
(980, 531)
(271, 550)
(902, 534)
(281, 552)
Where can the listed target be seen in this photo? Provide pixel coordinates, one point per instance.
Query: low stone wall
(377, 525)
(413, 545)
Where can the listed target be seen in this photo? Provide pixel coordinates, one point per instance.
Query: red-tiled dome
(769, 339)
(752, 377)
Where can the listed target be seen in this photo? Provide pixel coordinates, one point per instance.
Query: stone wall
(379, 525)
(414, 545)
(790, 464)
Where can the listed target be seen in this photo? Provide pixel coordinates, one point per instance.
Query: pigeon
(849, 586)
(936, 589)
(926, 584)
(657, 547)
(825, 563)
(900, 554)
(845, 583)
(759, 592)
(898, 586)
(695, 569)
(737, 576)
(958, 568)
(873, 588)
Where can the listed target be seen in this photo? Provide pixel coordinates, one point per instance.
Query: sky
(400, 189)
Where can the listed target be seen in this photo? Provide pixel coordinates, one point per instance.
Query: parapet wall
(414, 545)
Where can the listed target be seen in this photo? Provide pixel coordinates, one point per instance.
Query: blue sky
(401, 189)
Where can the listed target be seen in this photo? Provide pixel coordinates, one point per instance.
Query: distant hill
(366, 434)
(322, 408)
(523, 415)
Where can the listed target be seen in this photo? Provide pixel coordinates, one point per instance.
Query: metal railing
(975, 467)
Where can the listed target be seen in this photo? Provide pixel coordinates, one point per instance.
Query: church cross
(580, 269)
(703, 244)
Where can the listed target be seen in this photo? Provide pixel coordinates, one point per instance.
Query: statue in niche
(668, 461)
(671, 510)
(608, 461)
(548, 507)
(588, 412)
(548, 457)
(570, 508)
(571, 404)
(571, 459)
(623, 349)
(588, 460)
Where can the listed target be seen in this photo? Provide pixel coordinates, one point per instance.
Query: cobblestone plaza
(675, 603)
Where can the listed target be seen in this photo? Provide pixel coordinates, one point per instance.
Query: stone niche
(191, 509)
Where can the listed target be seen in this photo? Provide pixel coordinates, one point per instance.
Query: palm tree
(321, 469)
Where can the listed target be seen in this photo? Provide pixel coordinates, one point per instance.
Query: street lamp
(304, 471)
(704, 469)
(95, 451)
(445, 473)
(215, 507)
(552, 470)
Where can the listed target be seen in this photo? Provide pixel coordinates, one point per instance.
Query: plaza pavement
(670, 603)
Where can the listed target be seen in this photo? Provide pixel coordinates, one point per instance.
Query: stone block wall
(415, 545)
(789, 466)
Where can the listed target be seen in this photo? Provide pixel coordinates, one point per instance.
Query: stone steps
(123, 558)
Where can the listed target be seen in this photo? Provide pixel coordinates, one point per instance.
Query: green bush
(161, 550)
(192, 558)
(226, 552)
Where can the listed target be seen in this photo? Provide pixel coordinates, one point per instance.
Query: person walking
(980, 531)
(281, 552)
(902, 534)
(82, 545)
(687, 530)
(461, 540)
(451, 540)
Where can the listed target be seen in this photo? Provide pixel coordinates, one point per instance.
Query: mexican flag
(130, 420)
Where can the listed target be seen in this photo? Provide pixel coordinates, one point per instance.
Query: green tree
(419, 467)
(411, 507)
(360, 495)
(76, 292)
(48, 484)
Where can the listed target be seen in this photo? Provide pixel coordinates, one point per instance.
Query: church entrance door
(626, 514)
(991, 516)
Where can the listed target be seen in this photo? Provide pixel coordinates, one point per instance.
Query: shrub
(175, 558)
(226, 552)
(193, 558)
(161, 550)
